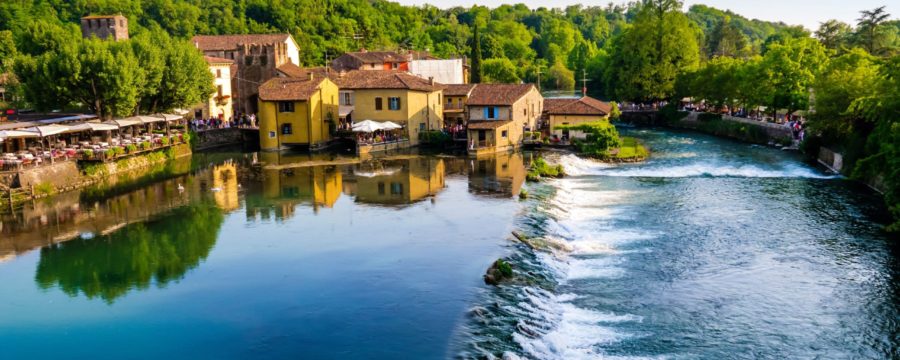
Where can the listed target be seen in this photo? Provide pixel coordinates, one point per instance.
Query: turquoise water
(713, 249)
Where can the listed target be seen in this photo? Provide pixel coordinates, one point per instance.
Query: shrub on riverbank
(541, 169)
(631, 150)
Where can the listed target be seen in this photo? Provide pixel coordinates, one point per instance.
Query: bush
(131, 148)
(145, 145)
(88, 153)
(165, 141)
(601, 136)
(109, 153)
(435, 137)
(43, 188)
(118, 150)
(541, 169)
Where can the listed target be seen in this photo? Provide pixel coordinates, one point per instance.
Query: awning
(17, 134)
(124, 122)
(344, 110)
(170, 117)
(48, 130)
(390, 125)
(92, 126)
(367, 126)
(146, 119)
(67, 118)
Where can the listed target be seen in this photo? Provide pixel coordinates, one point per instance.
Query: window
(285, 106)
(525, 112)
(378, 103)
(396, 188)
(380, 188)
(394, 103)
(219, 90)
(345, 99)
(490, 112)
(271, 134)
(263, 60)
(218, 73)
(395, 66)
(503, 134)
(449, 101)
(248, 60)
(287, 129)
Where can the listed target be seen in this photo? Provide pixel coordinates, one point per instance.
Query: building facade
(256, 60)
(297, 112)
(371, 60)
(571, 112)
(113, 27)
(219, 105)
(499, 115)
(455, 98)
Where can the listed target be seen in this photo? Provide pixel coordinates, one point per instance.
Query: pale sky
(808, 13)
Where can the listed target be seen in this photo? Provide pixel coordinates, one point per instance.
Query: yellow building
(499, 114)
(319, 186)
(574, 111)
(219, 105)
(497, 174)
(397, 96)
(398, 182)
(297, 112)
(455, 98)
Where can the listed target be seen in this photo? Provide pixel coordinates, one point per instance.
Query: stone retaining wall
(214, 138)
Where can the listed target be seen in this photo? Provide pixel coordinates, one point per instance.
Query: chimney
(196, 44)
(311, 76)
(363, 50)
(431, 80)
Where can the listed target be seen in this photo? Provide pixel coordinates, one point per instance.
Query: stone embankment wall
(66, 175)
(214, 138)
(748, 130)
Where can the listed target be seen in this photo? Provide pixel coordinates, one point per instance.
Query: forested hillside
(516, 42)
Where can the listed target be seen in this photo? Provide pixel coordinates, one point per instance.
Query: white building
(451, 71)
(219, 105)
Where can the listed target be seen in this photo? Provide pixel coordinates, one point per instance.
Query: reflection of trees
(133, 257)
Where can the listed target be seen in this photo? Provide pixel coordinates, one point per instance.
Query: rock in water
(498, 272)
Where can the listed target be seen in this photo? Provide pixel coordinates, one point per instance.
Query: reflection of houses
(574, 111)
(225, 186)
(499, 114)
(371, 60)
(455, 97)
(256, 58)
(397, 181)
(498, 174)
(283, 190)
(219, 104)
(297, 112)
(394, 96)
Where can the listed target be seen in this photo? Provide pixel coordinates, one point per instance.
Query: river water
(712, 249)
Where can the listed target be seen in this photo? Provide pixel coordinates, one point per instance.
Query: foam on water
(714, 170)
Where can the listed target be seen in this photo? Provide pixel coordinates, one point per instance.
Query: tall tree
(834, 34)
(868, 29)
(647, 58)
(727, 40)
(499, 71)
(475, 76)
(789, 68)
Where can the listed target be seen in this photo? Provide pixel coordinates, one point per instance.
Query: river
(712, 249)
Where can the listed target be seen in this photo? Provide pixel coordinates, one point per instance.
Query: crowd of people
(241, 121)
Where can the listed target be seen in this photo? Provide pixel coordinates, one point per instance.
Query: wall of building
(418, 110)
(557, 120)
(112, 27)
(211, 108)
(311, 121)
(476, 113)
(443, 71)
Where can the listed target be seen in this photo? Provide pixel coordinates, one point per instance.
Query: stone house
(499, 115)
(114, 27)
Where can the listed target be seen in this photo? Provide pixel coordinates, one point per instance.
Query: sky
(808, 13)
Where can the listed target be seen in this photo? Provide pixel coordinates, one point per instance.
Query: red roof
(459, 89)
(577, 106)
(230, 42)
(288, 89)
(217, 60)
(498, 94)
(387, 79)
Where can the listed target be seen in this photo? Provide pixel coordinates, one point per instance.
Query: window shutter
(485, 112)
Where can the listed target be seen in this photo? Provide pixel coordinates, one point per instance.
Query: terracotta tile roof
(230, 42)
(293, 71)
(378, 57)
(387, 79)
(217, 60)
(487, 125)
(459, 89)
(577, 106)
(286, 89)
(498, 94)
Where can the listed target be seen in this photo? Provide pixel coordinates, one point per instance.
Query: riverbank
(747, 130)
(65, 176)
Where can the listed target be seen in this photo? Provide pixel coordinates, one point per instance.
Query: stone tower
(104, 27)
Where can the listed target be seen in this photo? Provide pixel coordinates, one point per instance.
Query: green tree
(560, 77)
(726, 39)
(789, 68)
(499, 71)
(870, 33)
(834, 34)
(646, 59)
(845, 79)
(475, 71)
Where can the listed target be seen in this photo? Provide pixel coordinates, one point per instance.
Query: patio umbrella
(390, 125)
(170, 117)
(367, 126)
(147, 119)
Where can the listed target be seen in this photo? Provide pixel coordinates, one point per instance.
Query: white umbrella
(170, 117)
(367, 126)
(390, 125)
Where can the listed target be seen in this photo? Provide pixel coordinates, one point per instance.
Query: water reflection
(134, 257)
(156, 225)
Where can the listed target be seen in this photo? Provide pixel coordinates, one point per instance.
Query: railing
(478, 144)
(118, 152)
(454, 107)
(19, 164)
